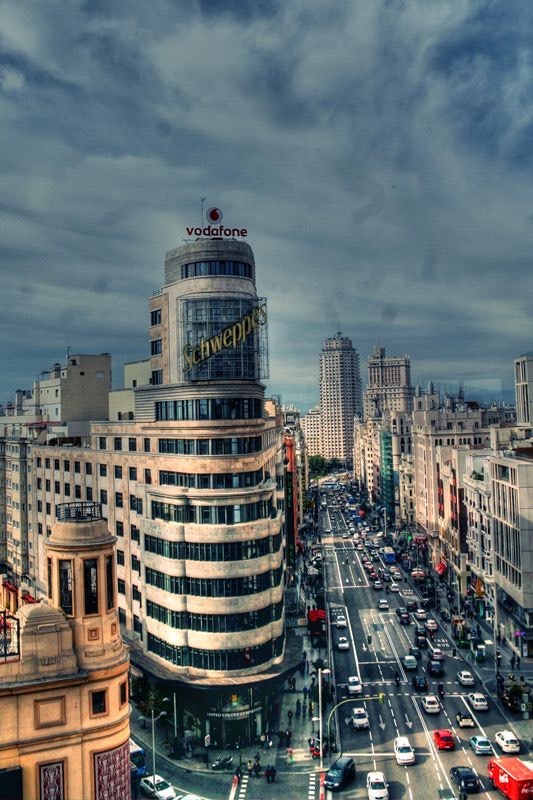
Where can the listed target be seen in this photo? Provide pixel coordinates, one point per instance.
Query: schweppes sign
(228, 338)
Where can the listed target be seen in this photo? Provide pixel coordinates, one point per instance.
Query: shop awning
(10, 587)
(29, 598)
(441, 567)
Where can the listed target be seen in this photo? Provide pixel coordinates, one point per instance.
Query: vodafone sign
(215, 229)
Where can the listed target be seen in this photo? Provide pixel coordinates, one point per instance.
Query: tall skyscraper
(389, 384)
(340, 396)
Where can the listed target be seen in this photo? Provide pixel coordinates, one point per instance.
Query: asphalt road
(401, 713)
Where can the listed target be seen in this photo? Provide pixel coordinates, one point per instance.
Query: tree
(317, 466)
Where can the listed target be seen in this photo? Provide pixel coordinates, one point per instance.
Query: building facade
(64, 699)
(340, 397)
(192, 489)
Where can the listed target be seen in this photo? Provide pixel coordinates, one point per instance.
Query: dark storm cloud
(377, 152)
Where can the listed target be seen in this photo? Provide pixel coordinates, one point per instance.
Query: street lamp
(320, 673)
(154, 720)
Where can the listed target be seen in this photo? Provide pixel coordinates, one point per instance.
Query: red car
(444, 740)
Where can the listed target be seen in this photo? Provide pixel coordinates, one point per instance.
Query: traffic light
(381, 697)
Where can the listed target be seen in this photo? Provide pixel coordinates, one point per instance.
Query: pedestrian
(249, 766)
(257, 769)
(273, 774)
(288, 736)
(518, 662)
(238, 774)
(305, 691)
(290, 755)
(289, 715)
(262, 739)
(311, 708)
(512, 661)
(498, 638)
(298, 707)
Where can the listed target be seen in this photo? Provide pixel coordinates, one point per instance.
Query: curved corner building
(211, 532)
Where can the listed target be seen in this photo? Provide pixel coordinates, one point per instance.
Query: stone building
(189, 479)
(64, 700)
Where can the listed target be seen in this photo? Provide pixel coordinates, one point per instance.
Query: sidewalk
(300, 726)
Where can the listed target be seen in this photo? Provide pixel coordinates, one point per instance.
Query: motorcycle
(222, 762)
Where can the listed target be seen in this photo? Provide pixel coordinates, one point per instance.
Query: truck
(512, 776)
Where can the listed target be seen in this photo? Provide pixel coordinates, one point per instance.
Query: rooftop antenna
(203, 199)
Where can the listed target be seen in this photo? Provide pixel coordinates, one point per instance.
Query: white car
(420, 614)
(465, 678)
(396, 574)
(507, 741)
(403, 751)
(437, 654)
(341, 621)
(383, 605)
(359, 719)
(354, 685)
(343, 643)
(159, 787)
(431, 625)
(409, 662)
(478, 701)
(376, 786)
(430, 704)
(394, 587)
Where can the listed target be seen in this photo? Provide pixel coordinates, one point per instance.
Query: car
(396, 574)
(507, 742)
(340, 774)
(478, 701)
(400, 610)
(437, 654)
(405, 619)
(376, 786)
(465, 678)
(444, 739)
(377, 584)
(415, 651)
(359, 719)
(360, 547)
(383, 605)
(354, 685)
(409, 662)
(156, 786)
(343, 643)
(481, 746)
(420, 683)
(394, 587)
(403, 751)
(431, 625)
(345, 534)
(465, 720)
(420, 614)
(420, 640)
(465, 778)
(430, 704)
(412, 605)
(435, 668)
(341, 621)
(386, 577)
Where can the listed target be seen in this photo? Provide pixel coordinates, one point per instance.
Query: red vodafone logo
(214, 215)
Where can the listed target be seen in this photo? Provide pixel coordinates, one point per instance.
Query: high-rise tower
(389, 384)
(340, 396)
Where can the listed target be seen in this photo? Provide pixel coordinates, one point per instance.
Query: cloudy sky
(380, 153)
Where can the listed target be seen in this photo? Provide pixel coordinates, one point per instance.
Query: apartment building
(311, 424)
(480, 551)
(188, 486)
(340, 397)
(523, 375)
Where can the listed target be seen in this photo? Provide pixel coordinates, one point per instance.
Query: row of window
(214, 587)
(210, 408)
(66, 465)
(117, 443)
(213, 515)
(228, 446)
(209, 551)
(216, 659)
(202, 268)
(216, 480)
(215, 623)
